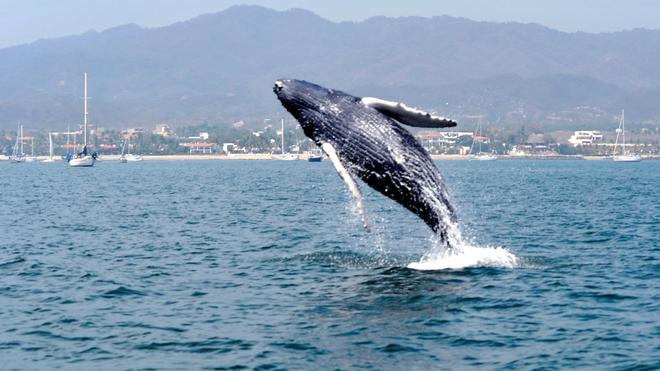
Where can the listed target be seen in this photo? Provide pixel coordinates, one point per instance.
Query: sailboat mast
(18, 137)
(22, 153)
(480, 136)
(623, 133)
(50, 145)
(282, 136)
(85, 114)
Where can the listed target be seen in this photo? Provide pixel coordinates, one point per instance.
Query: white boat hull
(286, 157)
(85, 161)
(483, 157)
(627, 158)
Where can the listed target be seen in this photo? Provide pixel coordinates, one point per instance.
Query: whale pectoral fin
(407, 115)
(348, 179)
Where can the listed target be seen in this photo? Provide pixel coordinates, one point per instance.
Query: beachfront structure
(531, 149)
(536, 144)
(200, 147)
(445, 141)
(442, 137)
(585, 138)
(226, 147)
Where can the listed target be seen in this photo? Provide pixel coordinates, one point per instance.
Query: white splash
(464, 256)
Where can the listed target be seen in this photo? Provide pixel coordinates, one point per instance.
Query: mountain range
(219, 68)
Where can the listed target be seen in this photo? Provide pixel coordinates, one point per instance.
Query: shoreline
(304, 157)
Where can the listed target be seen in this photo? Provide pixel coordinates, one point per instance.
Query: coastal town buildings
(586, 137)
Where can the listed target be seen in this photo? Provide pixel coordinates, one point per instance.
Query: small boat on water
(133, 158)
(128, 156)
(122, 157)
(478, 155)
(17, 156)
(624, 156)
(285, 156)
(50, 149)
(315, 156)
(83, 158)
(483, 157)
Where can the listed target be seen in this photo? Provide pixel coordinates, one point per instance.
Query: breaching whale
(362, 136)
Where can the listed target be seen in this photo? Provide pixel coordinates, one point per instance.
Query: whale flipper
(348, 179)
(407, 115)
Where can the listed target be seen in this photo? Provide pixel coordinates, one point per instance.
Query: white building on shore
(585, 138)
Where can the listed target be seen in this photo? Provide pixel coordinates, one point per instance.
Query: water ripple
(264, 265)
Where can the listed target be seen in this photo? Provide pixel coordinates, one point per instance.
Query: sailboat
(480, 155)
(315, 157)
(129, 156)
(286, 156)
(122, 157)
(623, 157)
(83, 159)
(17, 155)
(50, 148)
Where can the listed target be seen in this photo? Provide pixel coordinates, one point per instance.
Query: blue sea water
(264, 264)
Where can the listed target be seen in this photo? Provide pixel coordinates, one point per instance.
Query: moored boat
(624, 156)
(83, 158)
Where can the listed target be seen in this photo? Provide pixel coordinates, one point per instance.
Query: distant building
(133, 131)
(201, 136)
(528, 149)
(163, 130)
(535, 144)
(585, 138)
(442, 137)
(200, 147)
(226, 147)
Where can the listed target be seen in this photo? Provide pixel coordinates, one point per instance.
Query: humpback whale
(364, 137)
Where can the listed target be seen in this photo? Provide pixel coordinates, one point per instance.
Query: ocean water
(265, 264)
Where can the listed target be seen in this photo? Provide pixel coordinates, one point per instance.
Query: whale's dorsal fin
(348, 179)
(407, 115)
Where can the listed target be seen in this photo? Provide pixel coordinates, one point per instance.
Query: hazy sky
(23, 21)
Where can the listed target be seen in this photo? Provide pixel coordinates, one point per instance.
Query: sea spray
(451, 252)
(464, 255)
